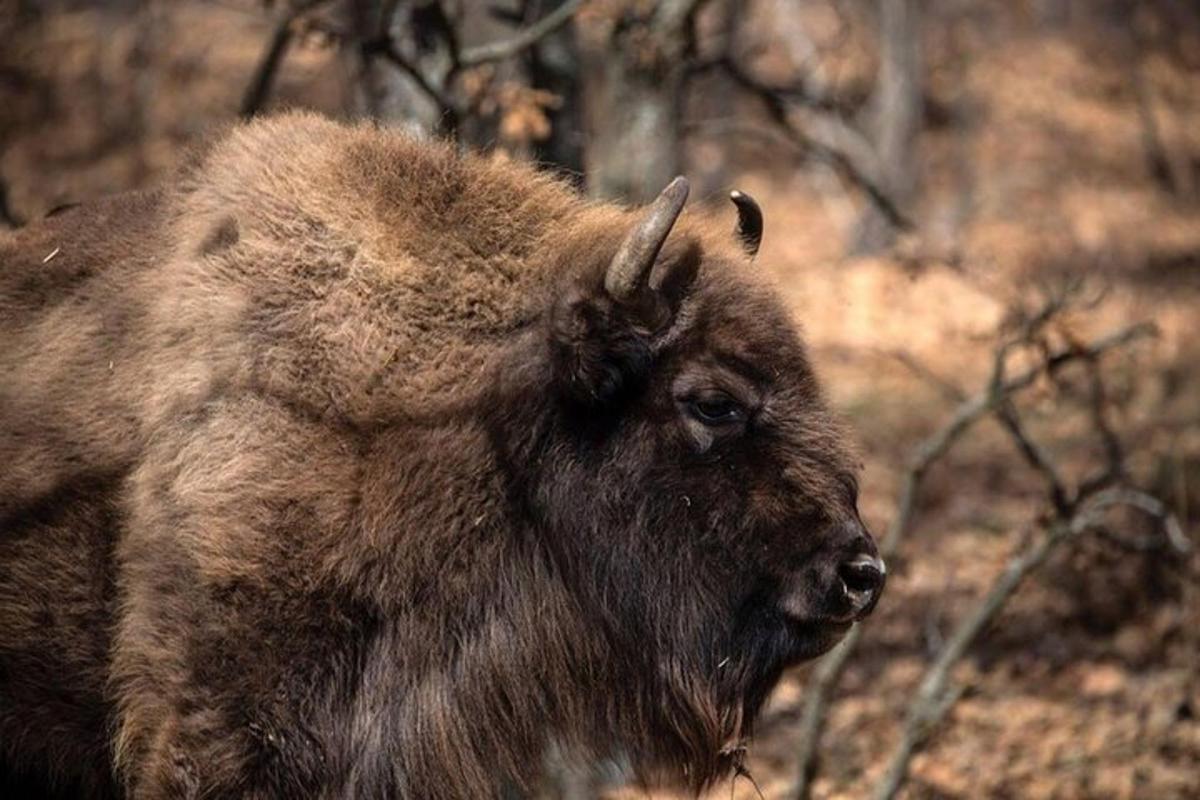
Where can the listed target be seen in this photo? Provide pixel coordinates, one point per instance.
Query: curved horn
(750, 221)
(636, 255)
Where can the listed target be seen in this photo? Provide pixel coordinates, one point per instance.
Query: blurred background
(986, 216)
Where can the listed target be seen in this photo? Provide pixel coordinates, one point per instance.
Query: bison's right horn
(636, 255)
(750, 221)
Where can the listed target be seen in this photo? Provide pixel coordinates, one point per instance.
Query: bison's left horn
(750, 221)
(636, 255)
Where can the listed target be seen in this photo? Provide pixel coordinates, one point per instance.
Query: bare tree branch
(835, 139)
(8, 217)
(1114, 453)
(437, 83)
(933, 701)
(1036, 455)
(672, 16)
(506, 48)
(829, 670)
(1033, 452)
(260, 85)
(1153, 507)
(822, 132)
(945, 386)
(388, 50)
(1073, 513)
(1167, 165)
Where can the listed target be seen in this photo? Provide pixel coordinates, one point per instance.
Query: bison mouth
(777, 641)
(816, 622)
(784, 633)
(811, 638)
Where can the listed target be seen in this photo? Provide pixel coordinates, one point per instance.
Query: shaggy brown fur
(332, 471)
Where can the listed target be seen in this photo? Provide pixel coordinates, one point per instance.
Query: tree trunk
(896, 109)
(633, 71)
(554, 65)
(382, 90)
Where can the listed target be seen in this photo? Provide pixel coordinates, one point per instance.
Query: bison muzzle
(348, 465)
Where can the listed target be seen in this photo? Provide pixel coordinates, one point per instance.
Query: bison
(348, 465)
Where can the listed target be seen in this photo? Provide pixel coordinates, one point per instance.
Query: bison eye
(716, 408)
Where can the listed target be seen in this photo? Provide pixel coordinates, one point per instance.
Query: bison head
(694, 489)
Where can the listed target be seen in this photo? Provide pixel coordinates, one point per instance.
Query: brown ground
(1087, 686)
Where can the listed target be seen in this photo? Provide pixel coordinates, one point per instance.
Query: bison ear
(597, 353)
(603, 339)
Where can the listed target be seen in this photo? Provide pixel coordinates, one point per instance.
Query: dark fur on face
(334, 470)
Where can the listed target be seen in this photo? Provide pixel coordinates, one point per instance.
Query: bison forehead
(735, 328)
(742, 315)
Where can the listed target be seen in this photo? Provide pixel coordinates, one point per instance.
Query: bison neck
(490, 650)
(521, 677)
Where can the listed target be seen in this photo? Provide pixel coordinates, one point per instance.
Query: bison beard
(351, 466)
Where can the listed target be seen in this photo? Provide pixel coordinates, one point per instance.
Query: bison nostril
(862, 581)
(863, 573)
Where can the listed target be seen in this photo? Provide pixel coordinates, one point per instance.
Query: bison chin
(809, 640)
(705, 710)
(785, 631)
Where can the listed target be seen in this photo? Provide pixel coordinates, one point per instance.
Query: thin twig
(829, 670)
(506, 48)
(823, 132)
(439, 88)
(1073, 514)
(8, 217)
(1150, 505)
(259, 88)
(388, 50)
(672, 17)
(1035, 455)
(932, 701)
(1006, 411)
(1168, 165)
(945, 386)
(1114, 454)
